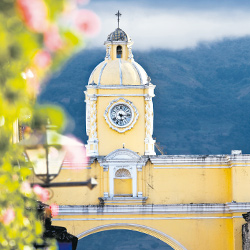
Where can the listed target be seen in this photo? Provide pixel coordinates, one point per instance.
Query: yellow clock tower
(119, 111)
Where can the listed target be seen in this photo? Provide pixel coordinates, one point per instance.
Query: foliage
(36, 38)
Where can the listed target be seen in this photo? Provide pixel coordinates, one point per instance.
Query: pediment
(123, 154)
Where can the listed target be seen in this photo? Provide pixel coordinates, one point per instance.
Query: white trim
(199, 167)
(100, 75)
(163, 235)
(120, 86)
(71, 168)
(210, 208)
(134, 181)
(138, 71)
(93, 72)
(145, 218)
(123, 95)
(111, 181)
(205, 160)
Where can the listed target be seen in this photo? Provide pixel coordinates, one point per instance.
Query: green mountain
(202, 95)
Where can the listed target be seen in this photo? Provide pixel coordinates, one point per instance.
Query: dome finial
(118, 14)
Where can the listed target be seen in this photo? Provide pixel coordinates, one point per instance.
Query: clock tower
(119, 107)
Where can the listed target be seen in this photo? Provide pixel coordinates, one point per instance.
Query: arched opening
(123, 183)
(171, 242)
(119, 51)
(121, 239)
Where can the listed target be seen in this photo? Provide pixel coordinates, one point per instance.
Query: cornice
(95, 86)
(208, 208)
(225, 160)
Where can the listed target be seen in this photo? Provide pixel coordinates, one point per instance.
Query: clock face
(121, 115)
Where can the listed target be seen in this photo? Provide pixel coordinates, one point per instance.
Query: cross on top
(118, 14)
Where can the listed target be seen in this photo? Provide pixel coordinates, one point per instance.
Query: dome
(118, 35)
(118, 72)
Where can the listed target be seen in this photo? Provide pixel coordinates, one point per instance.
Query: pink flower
(25, 187)
(82, 2)
(32, 81)
(75, 153)
(43, 59)
(8, 216)
(87, 22)
(52, 39)
(34, 14)
(54, 208)
(42, 193)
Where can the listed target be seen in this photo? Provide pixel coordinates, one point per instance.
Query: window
(119, 51)
(122, 173)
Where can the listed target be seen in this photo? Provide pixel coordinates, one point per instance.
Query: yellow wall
(240, 183)
(109, 139)
(123, 186)
(193, 234)
(124, 51)
(172, 186)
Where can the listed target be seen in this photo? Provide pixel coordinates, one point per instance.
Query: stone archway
(139, 228)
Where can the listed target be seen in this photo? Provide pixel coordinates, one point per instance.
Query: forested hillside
(202, 95)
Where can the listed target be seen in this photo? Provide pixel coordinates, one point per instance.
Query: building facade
(188, 201)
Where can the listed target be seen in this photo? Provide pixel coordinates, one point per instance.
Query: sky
(173, 24)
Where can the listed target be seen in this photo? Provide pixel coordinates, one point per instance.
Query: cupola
(119, 66)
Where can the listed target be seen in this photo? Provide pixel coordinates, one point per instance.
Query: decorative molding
(105, 168)
(150, 218)
(93, 72)
(87, 117)
(130, 54)
(151, 86)
(139, 168)
(200, 208)
(92, 147)
(108, 48)
(100, 75)
(148, 98)
(209, 161)
(122, 159)
(138, 71)
(123, 155)
(117, 42)
(133, 120)
(115, 95)
(122, 173)
(149, 118)
(92, 97)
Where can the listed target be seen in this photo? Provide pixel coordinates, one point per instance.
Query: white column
(149, 116)
(111, 181)
(92, 147)
(134, 181)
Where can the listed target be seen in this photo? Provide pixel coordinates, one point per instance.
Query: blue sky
(173, 24)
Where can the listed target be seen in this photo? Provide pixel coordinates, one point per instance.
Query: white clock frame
(135, 115)
(125, 104)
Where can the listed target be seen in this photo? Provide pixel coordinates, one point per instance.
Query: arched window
(122, 173)
(119, 51)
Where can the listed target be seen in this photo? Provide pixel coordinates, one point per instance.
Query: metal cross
(118, 14)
